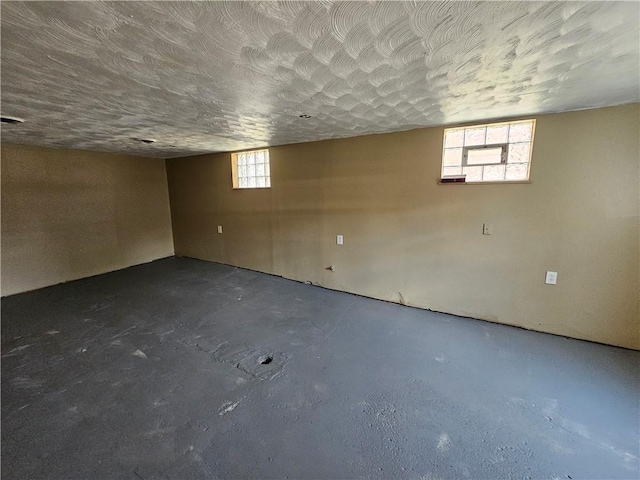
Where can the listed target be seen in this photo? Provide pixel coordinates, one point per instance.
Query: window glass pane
(517, 171)
(490, 153)
(454, 138)
(493, 173)
(474, 136)
(497, 134)
(452, 157)
(252, 169)
(483, 156)
(519, 153)
(474, 174)
(446, 171)
(520, 132)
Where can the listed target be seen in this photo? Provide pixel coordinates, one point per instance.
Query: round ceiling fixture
(304, 115)
(145, 140)
(11, 120)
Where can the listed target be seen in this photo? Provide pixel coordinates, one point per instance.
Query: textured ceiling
(219, 76)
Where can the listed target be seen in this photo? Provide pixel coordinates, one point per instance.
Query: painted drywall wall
(410, 240)
(71, 214)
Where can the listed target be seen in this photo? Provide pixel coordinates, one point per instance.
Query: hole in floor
(266, 360)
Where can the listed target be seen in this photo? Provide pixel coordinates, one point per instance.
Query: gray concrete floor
(184, 369)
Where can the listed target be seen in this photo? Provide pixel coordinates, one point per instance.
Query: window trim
(235, 181)
(506, 145)
(488, 182)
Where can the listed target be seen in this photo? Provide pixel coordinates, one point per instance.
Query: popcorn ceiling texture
(218, 76)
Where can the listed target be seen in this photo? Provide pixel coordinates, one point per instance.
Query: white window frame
(235, 170)
(460, 178)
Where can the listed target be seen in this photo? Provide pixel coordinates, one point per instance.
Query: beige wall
(408, 239)
(72, 214)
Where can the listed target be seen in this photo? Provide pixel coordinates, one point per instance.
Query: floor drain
(266, 360)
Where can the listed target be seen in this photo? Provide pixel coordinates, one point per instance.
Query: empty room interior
(320, 240)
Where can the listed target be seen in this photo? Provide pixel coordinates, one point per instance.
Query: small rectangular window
(251, 169)
(499, 152)
(484, 155)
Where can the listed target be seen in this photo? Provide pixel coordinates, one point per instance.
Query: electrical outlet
(339, 240)
(219, 228)
(551, 278)
(487, 229)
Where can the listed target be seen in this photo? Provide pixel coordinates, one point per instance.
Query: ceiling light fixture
(11, 120)
(145, 140)
(304, 115)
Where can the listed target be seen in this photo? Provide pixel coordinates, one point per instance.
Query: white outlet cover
(219, 228)
(551, 278)
(339, 239)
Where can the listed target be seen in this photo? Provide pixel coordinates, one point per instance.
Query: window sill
(508, 182)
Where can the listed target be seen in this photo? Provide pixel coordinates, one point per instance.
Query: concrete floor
(185, 369)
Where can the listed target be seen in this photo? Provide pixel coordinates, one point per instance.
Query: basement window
(251, 169)
(496, 152)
